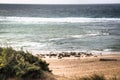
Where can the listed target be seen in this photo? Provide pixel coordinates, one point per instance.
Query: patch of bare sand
(79, 67)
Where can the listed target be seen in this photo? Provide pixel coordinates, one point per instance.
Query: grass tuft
(95, 77)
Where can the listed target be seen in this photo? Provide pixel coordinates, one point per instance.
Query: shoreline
(87, 51)
(53, 54)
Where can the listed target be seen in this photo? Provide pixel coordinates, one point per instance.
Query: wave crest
(57, 20)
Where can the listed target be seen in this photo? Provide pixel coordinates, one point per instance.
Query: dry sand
(85, 66)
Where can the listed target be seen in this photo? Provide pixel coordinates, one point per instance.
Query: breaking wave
(38, 20)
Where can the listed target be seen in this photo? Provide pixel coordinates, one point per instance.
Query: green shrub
(20, 64)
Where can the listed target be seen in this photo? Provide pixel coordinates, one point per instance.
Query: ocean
(60, 27)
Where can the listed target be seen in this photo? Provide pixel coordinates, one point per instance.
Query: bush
(20, 64)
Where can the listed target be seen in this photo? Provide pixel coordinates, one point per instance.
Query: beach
(76, 40)
(71, 67)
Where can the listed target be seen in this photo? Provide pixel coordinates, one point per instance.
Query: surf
(39, 20)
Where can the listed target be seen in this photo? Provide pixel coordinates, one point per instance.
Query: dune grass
(95, 77)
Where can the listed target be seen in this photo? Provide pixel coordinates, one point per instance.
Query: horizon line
(58, 4)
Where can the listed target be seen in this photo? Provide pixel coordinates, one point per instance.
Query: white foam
(54, 39)
(85, 35)
(89, 35)
(76, 36)
(24, 44)
(34, 20)
(108, 50)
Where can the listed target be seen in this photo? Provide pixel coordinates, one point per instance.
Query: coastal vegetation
(96, 77)
(21, 65)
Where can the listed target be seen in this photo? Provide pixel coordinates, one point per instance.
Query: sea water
(60, 27)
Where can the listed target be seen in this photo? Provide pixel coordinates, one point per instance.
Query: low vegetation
(96, 77)
(20, 65)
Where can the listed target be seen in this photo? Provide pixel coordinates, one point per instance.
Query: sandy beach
(85, 66)
(59, 39)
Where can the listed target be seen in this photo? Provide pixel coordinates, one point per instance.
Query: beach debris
(107, 59)
(61, 55)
